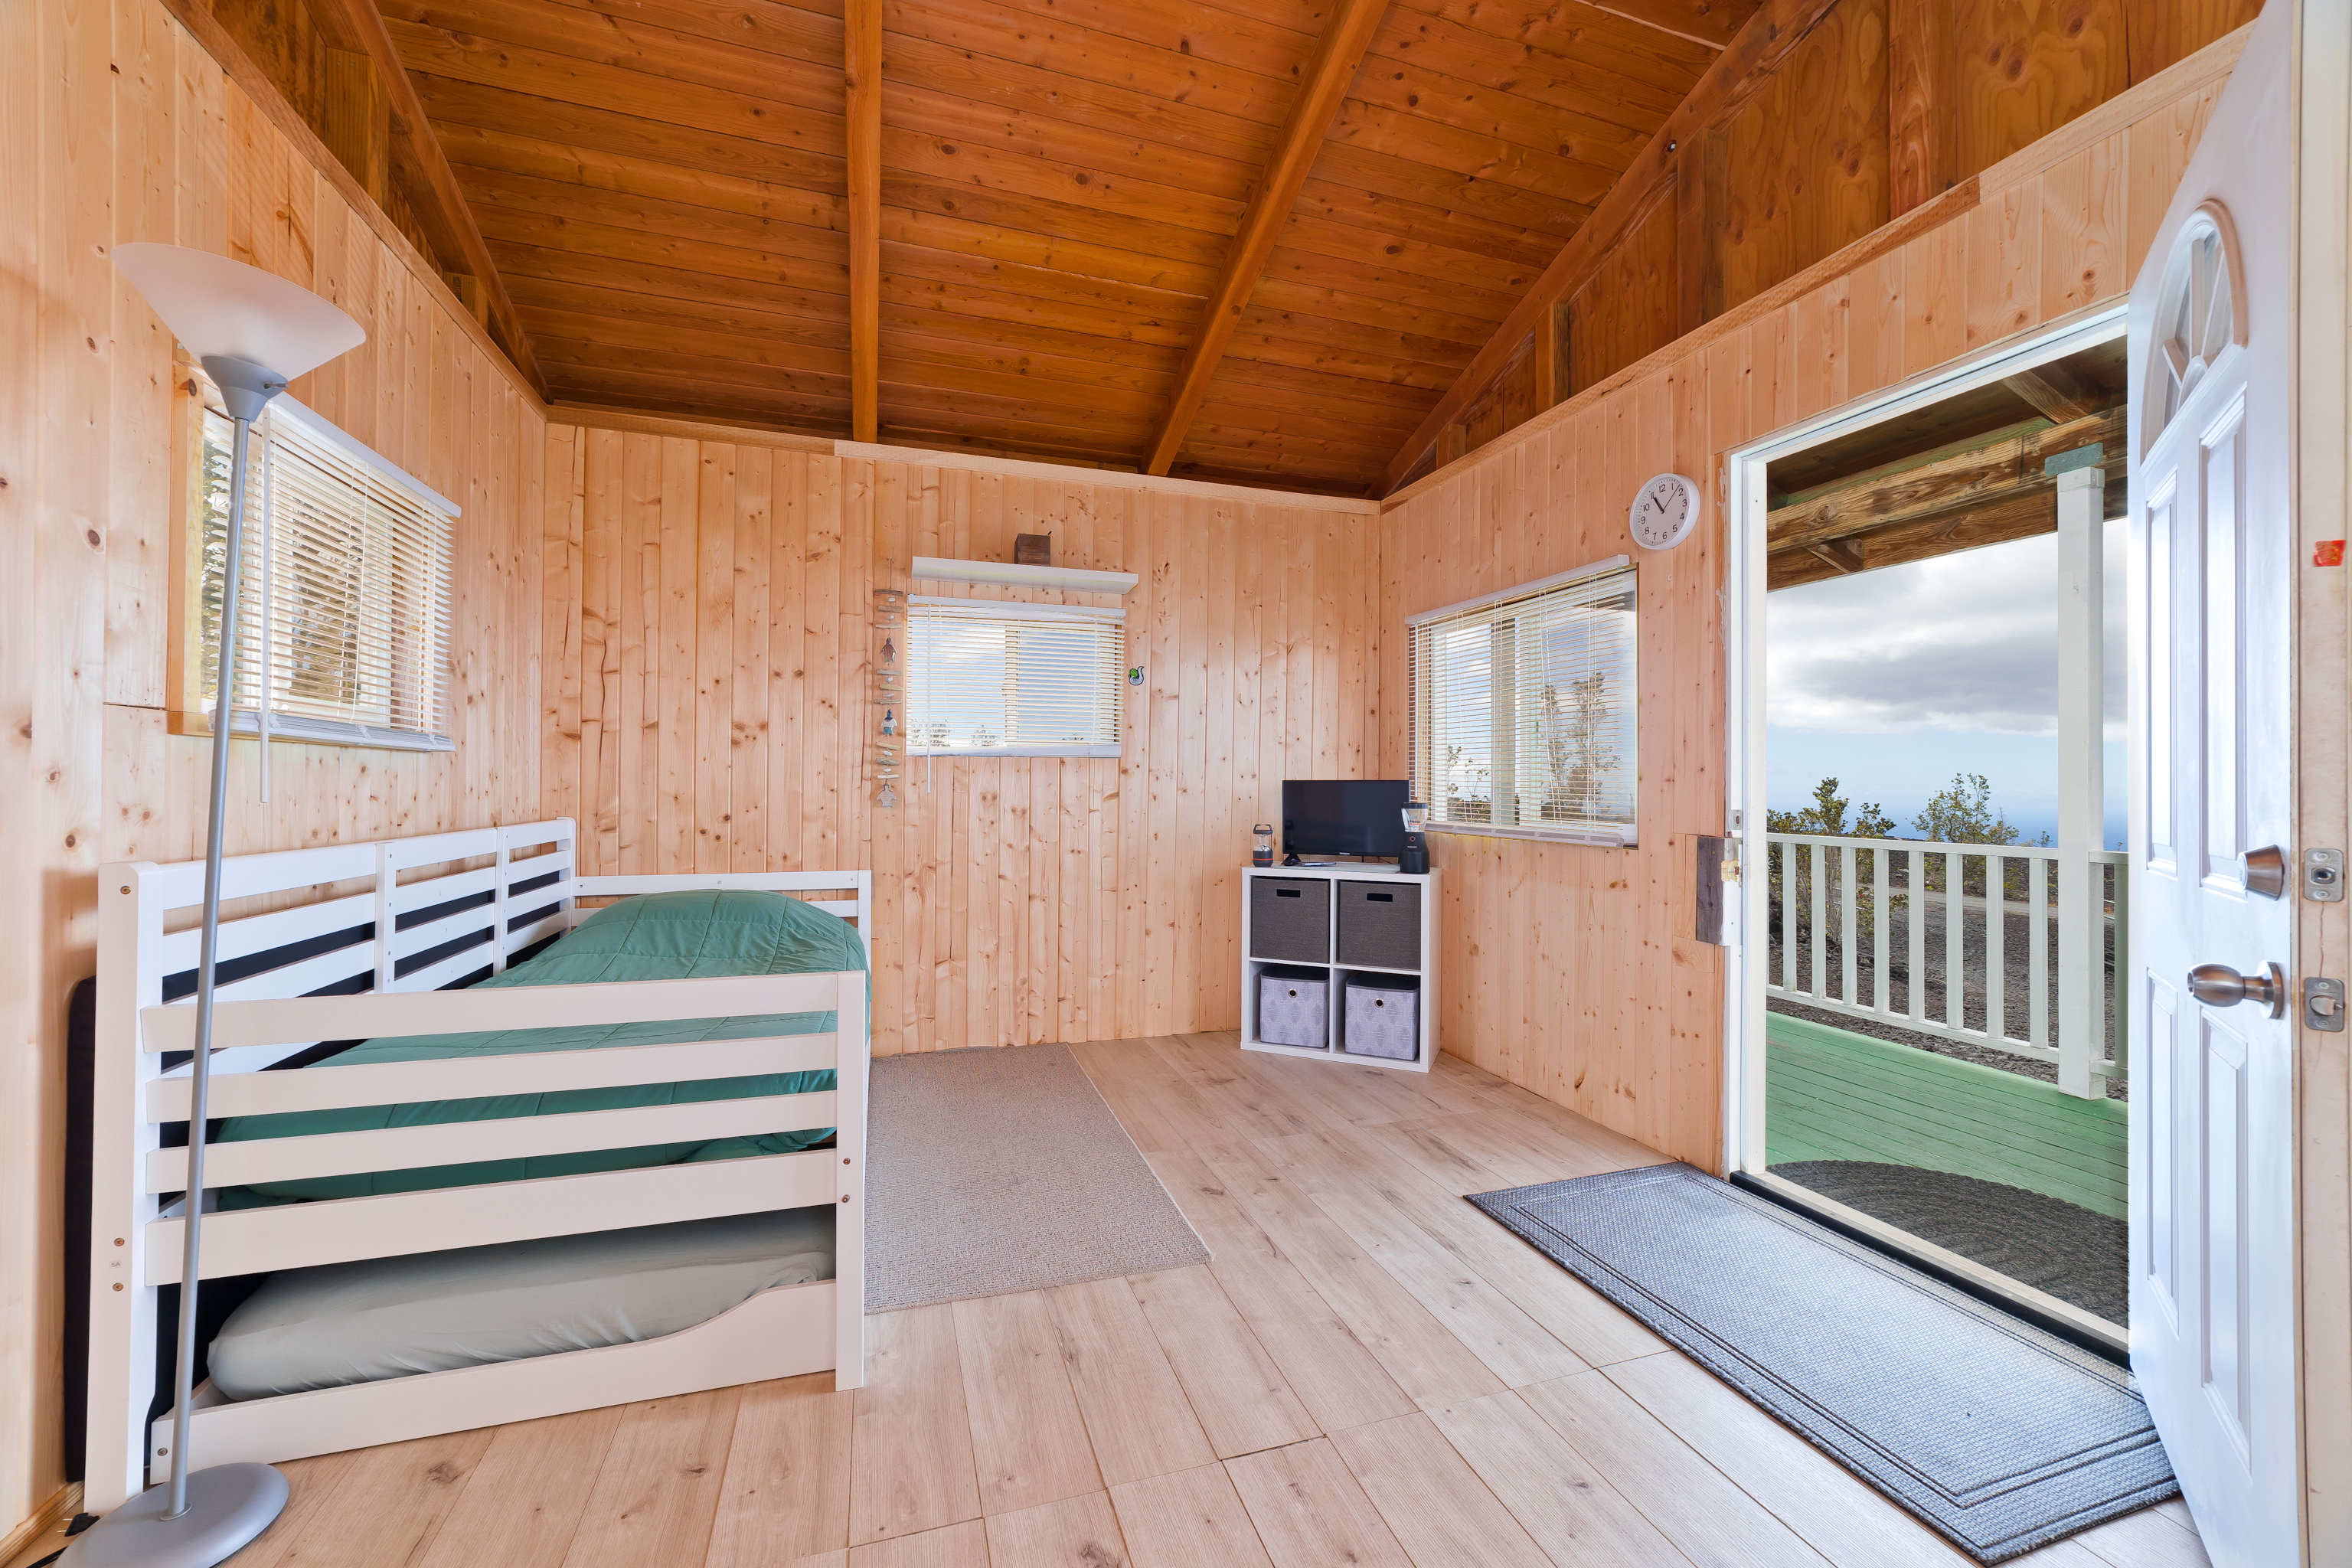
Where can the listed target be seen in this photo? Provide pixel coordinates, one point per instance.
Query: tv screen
(1344, 817)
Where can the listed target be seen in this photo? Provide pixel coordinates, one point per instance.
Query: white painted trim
(1021, 610)
(1525, 590)
(1622, 837)
(980, 753)
(1108, 479)
(1009, 574)
(1744, 506)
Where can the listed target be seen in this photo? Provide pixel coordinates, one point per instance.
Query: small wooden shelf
(1332, 967)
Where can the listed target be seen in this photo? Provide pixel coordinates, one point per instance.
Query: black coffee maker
(1414, 860)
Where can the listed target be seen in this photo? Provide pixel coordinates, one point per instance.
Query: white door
(2214, 1318)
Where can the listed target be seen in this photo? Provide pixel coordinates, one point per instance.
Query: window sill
(303, 732)
(1601, 837)
(1109, 753)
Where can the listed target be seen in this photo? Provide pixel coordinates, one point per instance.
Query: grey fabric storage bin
(1290, 919)
(1382, 1018)
(1379, 923)
(1294, 1010)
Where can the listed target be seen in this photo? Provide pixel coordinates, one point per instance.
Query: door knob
(2218, 985)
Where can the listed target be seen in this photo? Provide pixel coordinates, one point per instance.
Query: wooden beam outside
(2057, 393)
(1922, 91)
(359, 121)
(433, 167)
(1337, 53)
(1769, 34)
(1984, 495)
(862, 80)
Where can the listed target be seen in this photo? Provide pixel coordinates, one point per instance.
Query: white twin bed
(547, 1192)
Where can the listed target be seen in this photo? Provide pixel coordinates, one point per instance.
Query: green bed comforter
(660, 936)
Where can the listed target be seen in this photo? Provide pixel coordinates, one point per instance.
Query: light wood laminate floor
(1369, 1374)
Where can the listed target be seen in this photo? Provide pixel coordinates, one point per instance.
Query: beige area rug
(993, 1169)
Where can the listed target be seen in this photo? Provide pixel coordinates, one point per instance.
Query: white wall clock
(1664, 512)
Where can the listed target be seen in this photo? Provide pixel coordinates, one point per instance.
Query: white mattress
(389, 1317)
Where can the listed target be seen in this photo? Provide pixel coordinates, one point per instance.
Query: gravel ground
(2017, 987)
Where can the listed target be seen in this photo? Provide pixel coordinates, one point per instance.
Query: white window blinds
(1523, 710)
(347, 567)
(985, 677)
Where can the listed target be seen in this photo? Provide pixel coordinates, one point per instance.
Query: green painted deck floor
(1832, 1095)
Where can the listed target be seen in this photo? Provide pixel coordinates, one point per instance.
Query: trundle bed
(627, 1164)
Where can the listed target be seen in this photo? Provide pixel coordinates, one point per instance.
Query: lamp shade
(224, 309)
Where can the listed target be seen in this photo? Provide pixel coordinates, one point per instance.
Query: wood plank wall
(1572, 971)
(115, 127)
(710, 645)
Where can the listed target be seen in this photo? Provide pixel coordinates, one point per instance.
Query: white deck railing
(1847, 910)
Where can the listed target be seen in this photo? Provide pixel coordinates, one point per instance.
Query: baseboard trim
(63, 1504)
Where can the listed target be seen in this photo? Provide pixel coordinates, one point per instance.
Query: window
(346, 588)
(989, 678)
(1523, 710)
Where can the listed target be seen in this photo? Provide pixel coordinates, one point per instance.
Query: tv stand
(1363, 920)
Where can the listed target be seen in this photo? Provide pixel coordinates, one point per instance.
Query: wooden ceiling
(668, 192)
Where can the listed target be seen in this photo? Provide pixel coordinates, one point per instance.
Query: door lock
(2322, 876)
(2218, 985)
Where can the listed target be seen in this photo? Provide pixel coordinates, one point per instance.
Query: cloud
(1965, 642)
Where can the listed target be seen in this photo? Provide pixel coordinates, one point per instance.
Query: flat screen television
(1344, 817)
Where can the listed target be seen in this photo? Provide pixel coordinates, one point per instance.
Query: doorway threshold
(2039, 1308)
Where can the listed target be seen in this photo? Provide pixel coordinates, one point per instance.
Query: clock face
(1664, 512)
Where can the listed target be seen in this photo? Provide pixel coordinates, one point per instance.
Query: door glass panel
(2160, 685)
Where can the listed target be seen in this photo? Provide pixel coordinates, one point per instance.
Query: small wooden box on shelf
(1317, 929)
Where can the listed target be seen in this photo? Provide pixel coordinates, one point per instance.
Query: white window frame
(1013, 610)
(196, 712)
(1504, 768)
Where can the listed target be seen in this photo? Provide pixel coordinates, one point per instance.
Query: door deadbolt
(2264, 871)
(2218, 985)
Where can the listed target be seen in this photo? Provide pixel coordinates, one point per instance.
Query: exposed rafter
(1338, 52)
(862, 80)
(1769, 34)
(2057, 393)
(458, 217)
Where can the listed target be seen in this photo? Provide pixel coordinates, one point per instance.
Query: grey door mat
(1999, 1436)
(1000, 1169)
(2081, 1257)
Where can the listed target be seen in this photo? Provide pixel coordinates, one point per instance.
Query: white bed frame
(264, 1017)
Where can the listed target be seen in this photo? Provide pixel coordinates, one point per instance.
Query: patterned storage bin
(1293, 1010)
(1382, 1019)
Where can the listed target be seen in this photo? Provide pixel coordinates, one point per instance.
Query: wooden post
(359, 121)
(862, 71)
(2082, 778)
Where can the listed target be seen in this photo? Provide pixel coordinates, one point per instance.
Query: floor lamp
(253, 331)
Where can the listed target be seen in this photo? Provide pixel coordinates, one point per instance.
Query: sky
(1894, 680)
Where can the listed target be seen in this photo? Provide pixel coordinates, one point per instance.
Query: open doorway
(1931, 704)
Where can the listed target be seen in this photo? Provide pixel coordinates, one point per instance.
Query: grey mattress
(388, 1317)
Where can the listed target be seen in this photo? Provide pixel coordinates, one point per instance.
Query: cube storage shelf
(1322, 924)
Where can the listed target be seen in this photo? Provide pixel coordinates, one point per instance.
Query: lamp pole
(240, 322)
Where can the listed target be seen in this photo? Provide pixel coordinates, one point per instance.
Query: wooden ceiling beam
(1767, 36)
(367, 22)
(862, 77)
(1338, 52)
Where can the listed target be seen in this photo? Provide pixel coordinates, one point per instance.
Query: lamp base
(229, 1505)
